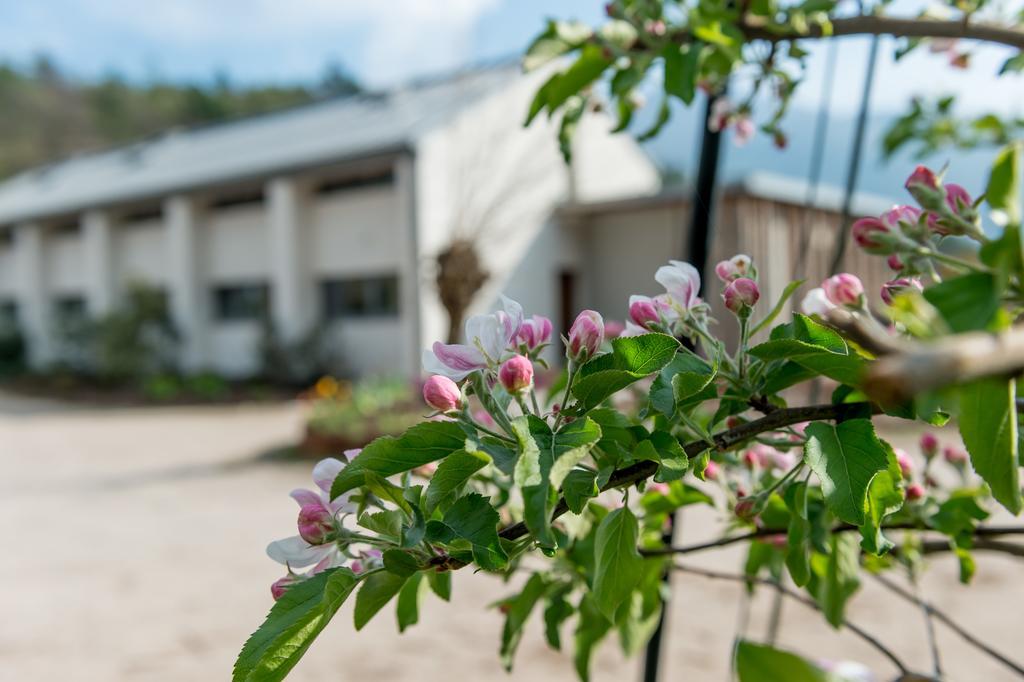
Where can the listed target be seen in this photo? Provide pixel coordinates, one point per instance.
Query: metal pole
(697, 250)
(854, 168)
(699, 236)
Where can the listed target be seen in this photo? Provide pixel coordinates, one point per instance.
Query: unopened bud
(586, 336)
(442, 393)
(929, 444)
(316, 524)
(740, 295)
(844, 290)
(516, 374)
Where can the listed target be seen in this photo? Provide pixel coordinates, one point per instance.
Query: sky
(386, 42)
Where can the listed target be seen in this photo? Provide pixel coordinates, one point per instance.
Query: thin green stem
(570, 377)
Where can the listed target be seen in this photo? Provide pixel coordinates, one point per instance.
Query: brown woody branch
(982, 534)
(950, 623)
(897, 27)
(810, 603)
(906, 368)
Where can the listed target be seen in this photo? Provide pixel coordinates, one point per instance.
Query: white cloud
(392, 37)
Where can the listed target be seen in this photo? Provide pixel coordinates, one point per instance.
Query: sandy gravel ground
(133, 550)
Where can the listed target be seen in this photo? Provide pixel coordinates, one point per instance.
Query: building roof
(316, 134)
(763, 185)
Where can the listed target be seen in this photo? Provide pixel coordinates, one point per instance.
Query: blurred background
(228, 229)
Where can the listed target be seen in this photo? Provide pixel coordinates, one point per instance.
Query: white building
(329, 214)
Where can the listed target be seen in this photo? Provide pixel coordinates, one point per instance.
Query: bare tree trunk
(460, 275)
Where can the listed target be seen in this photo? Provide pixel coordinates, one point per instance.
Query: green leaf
(518, 609)
(386, 456)
(377, 590)
(779, 305)
(846, 457)
(591, 627)
(557, 454)
(813, 347)
(441, 584)
(452, 473)
(587, 68)
(474, 520)
(837, 579)
(408, 608)
(578, 488)
(389, 492)
(798, 550)
(681, 63)
(388, 523)
(966, 303)
(759, 663)
(400, 563)
(988, 425)
(664, 448)
(618, 565)
(885, 497)
(291, 626)
(632, 358)
(1003, 192)
(685, 376)
(556, 612)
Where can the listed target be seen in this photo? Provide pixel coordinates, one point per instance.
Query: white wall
(234, 252)
(63, 263)
(486, 163)
(139, 253)
(8, 279)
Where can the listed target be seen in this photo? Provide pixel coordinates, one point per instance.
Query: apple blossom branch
(726, 440)
(983, 535)
(898, 27)
(906, 368)
(806, 601)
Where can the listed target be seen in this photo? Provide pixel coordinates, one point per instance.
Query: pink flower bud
(737, 266)
(744, 130)
(895, 287)
(894, 262)
(613, 329)
(711, 471)
(929, 444)
(732, 421)
(915, 491)
(586, 336)
(960, 204)
(516, 374)
(740, 294)
(659, 488)
(643, 311)
(316, 524)
(905, 462)
(844, 289)
(535, 332)
(746, 508)
(924, 186)
(281, 585)
(868, 233)
(442, 394)
(751, 459)
(954, 455)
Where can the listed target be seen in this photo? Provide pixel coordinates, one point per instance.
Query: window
(238, 199)
(8, 314)
(360, 297)
(382, 179)
(70, 308)
(241, 302)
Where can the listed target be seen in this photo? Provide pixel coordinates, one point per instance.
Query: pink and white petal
(511, 316)
(343, 504)
(330, 561)
(325, 471)
(305, 497)
(296, 552)
(457, 357)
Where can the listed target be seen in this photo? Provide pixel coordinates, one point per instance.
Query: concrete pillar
(32, 295)
(185, 282)
(291, 286)
(410, 287)
(98, 253)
